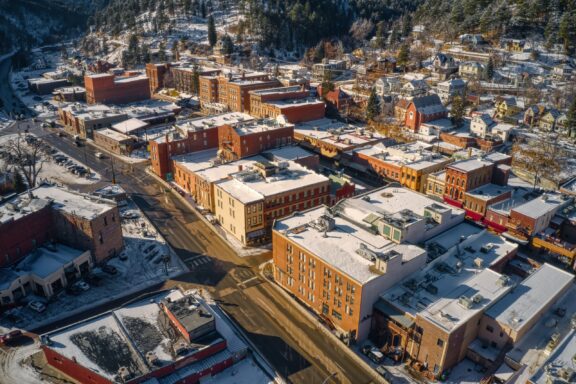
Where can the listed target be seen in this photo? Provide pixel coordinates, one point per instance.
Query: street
(291, 342)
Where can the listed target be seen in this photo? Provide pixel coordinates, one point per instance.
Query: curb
(321, 328)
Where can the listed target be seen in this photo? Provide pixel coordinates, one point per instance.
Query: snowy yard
(146, 260)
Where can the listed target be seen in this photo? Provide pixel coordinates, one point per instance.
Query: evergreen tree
(146, 57)
(227, 45)
(162, 52)
(175, 51)
(373, 108)
(403, 56)
(319, 52)
(381, 36)
(571, 119)
(327, 84)
(458, 110)
(406, 25)
(19, 184)
(212, 36)
(490, 68)
(393, 37)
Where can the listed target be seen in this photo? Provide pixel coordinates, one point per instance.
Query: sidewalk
(314, 320)
(231, 241)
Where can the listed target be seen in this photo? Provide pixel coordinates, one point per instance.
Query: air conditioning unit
(124, 374)
(465, 302)
(152, 358)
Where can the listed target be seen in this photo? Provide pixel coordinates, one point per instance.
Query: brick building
(432, 317)
(424, 109)
(337, 261)
(187, 137)
(83, 120)
(253, 137)
(156, 74)
(194, 343)
(294, 103)
(54, 213)
(110, 89)
(464, 176)
(114, 141)
(477, 201)
(233, 90)
(248, 203)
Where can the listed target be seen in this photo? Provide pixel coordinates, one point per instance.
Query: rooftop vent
(152, 358)
(465, 302)
(124, 374)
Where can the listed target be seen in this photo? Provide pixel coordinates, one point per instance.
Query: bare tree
(539, 158)
(360, 29)
(25, 154)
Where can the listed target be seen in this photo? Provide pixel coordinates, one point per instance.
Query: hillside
(27, 23)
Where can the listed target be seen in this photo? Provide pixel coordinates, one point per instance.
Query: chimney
(240, 168)
(469, 152)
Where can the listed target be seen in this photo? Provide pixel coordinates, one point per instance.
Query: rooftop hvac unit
(503, 281)
(124, 374)
(487, 248)
(465, 302)
(477, 298)
(180, 349)
(151, 358)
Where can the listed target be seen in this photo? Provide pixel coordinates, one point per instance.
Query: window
(440, 343)
(490, 329)
(336, 315)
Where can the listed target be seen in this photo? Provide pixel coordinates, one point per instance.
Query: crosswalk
(199, 260)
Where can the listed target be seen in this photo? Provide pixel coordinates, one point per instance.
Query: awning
(258, 233)
(393, 313)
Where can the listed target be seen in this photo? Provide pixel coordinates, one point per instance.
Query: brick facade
(109, 89)
(234, 146)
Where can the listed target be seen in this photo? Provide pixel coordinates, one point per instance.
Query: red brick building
(464, 176)
(156, 73)
(424, 109)
(294, 103)
(107, 88)
(337, 98)
(252, 138)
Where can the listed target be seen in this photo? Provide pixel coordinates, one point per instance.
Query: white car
(37, 306)
(82, 285)
(99, 155)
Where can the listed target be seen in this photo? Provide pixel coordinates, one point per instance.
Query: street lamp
(332, 375)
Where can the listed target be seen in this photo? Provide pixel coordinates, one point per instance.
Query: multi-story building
(253, 137)
(424, 109)
(232, 90)
(189, 136)
(83, 120)
(156, 73)
(472, 70)
(337, 261)
(408, 164)
(247, 204)
(436, 184)
(294, 103)
(111, 89)
(477, 201)
(332, 138)
(449, 89)
(466, 175)
(432, 317)
(328, 69)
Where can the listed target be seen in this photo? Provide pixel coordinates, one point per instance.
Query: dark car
(11, 336)
(385, 373)
(109, 269)
(94, 280)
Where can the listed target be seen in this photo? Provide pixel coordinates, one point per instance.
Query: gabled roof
(426, 101)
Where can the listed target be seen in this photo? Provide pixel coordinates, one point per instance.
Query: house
(481, 124)
(443, 66)
(328, 69)
(513, 45)
(448, 89)
(533, 114)
(562, 71)
(387, 64)
(472, 70)
(337, 98)
(424, 109)
(415, 88)
(508, 106)
(400, 109)
(387, 85)
(549, 119)
(472, 39)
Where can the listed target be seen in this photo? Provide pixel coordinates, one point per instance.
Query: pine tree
(571, 120)
(490, 68)
(380, 36)
(319, 52)
(406, 25)
(175, 51)
(195, 80)
(373, 108)
(19, 185)
(403, 56)
(162, 52)
(212, 36)
(458, 110)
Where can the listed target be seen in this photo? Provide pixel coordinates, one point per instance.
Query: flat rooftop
(288, 153)
(114, 135)
(248, 186)
(277, 91)
(258, 126)
(562, 358)
(294, 103)
(457, 285)
(129, 126)
(517, 309)
(489, 191)
(470, 165)
(42, 263)
(519, 196)
(202, 123)
(73, 203)
(21, 206)
(123, 337)
(340, 245)
(542, 205)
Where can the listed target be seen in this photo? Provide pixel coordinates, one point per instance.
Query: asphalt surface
(290, 341)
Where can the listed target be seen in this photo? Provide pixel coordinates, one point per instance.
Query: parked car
(94, 280)
(37, 306)
(99, 155)
(385, 373)
(366, 349)
(109, 269)
(376, 356)
(82, 285)
(73, 290)
(11, 336)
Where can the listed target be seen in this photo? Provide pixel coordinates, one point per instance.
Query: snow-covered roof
(112, 134)
(202, 123)
(519, 307)
(542, 205)
(457, 285)
(470, 165)
(489, 191)
(128, 126)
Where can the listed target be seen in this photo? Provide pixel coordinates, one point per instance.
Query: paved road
(293, 344)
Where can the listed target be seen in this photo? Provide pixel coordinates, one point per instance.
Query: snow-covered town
(336, 191)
